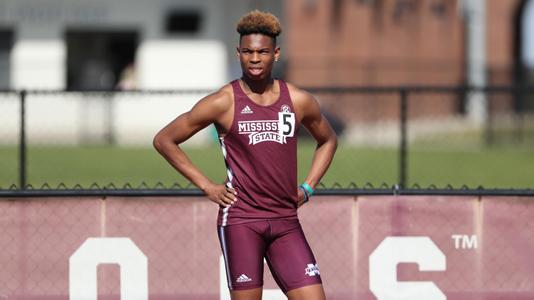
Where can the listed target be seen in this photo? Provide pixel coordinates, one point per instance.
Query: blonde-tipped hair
(259, 22)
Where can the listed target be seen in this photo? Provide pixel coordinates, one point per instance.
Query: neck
(258, 86)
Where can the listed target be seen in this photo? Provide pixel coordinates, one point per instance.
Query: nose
(255, 57)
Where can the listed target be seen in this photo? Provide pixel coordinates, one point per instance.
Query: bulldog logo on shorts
(312, 270)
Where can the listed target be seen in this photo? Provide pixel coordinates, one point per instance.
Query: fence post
(520, 93)
(489, 130)
(22, 141)
(110, 134)
(403, 137)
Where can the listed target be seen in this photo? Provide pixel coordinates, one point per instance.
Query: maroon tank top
(260, 152)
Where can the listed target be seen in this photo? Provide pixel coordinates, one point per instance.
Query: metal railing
(401, 111)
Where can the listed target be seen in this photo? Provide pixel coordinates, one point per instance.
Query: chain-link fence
(405, 136)
(9, 137)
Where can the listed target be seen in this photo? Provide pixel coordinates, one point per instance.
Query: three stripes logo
(243, 278)
(246, 110)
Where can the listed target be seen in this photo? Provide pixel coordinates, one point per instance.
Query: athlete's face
(257, 54)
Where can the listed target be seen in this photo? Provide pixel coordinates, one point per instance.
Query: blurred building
(411, 42)
(113, 44)
(400, 42)
(76, 44)
(91, 44)
(173, 44)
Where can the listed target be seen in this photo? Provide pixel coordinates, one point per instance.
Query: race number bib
(286, 124)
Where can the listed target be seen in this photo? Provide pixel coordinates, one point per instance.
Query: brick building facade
(394, 43)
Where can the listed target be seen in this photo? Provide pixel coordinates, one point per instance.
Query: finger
(227, 198)
(221, 203)
(230, 195)
(222, 200)
(231, 190)
(300, 195)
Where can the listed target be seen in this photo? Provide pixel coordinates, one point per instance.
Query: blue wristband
(308, 188)
(306, 196)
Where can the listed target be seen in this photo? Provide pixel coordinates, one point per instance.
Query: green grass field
(494, 167)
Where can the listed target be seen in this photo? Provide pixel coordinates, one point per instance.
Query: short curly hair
(259, 22)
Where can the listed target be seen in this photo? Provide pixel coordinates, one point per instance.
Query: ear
(276, 53)
(238, 48)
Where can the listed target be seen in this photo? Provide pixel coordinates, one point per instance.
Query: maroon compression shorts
(280, 242)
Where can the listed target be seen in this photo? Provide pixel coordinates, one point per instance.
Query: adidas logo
(246, 110)
(243, 277)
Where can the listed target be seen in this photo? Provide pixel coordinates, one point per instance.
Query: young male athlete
(257, 118)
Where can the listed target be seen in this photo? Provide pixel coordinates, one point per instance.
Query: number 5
(286, 123)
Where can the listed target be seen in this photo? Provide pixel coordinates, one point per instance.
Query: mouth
(255, 71)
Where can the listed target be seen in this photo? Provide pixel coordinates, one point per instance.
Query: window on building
(6, 44)
(527, 53)
(183, 22)
(96, 60)
(527, 32)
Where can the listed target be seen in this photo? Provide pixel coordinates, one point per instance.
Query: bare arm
(213, 108)
(314, 121)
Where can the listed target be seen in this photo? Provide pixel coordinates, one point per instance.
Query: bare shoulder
(305, 104)
(216, 107)
(220, 100)
(299, 95)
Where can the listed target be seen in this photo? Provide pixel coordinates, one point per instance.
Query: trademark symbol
(464, 241)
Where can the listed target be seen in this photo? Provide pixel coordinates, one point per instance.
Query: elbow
(163, 143)
(334, 143)
(329, 142)
(157, 142)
